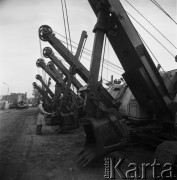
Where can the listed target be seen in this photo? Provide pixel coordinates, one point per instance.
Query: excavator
(152, 95)
(46, 34)
(62, 68)
(45, 97)
(66, 104)
(153, 104)
(48, 90)
(63, 100)
(57, 76)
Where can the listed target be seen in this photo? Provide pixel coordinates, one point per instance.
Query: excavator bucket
(68, 122)
(52, 121)
(103, 136)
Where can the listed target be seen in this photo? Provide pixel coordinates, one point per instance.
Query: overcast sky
(19, 41)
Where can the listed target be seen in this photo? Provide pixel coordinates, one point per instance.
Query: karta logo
(137, 171)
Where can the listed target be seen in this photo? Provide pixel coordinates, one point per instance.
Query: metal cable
(89, 61)
(151, 24)
(89, 53)
(64, 23)
(63, 61)
(41, 53)
(103, 57)
(68, 24)
(108, 58)
(156, 59)
(160, 7)
(152, 36)
(106, 61)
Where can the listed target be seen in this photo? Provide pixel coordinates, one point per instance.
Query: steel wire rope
(71, 40)
(108, 58)
(41, 53)
(89, 53)
(66, 12)
(69, 33)
(151, 35)
(163, 10)
(103, 57)
(151, 24)
(89, 60)
(155, 59)
(152, 52)
(106, 61)
(64, 62)
(66, 37)
(68, 25)
(104, 66)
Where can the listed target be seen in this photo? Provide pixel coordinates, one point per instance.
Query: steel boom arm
(46, 34)
(42, 92)
(45, 85)
(141, 74)
(41, 63)
(63, 69)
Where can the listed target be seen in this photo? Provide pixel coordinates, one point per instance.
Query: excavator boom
(141, 74)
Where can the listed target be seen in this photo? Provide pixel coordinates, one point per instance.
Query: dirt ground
(27, 156)
(51, 156)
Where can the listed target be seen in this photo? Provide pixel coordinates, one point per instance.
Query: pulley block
(40, 62)
(47, 51)
(44, 31)
(38, 77)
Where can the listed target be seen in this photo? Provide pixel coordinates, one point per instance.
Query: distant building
(16, 99)
(4, 105)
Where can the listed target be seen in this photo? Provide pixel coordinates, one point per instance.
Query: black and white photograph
(88, 89)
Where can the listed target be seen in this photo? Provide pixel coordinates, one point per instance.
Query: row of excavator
(140, 109)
